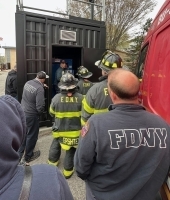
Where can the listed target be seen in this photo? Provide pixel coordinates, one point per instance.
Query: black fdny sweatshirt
(11, 83)
(124, 154)
(33, 101)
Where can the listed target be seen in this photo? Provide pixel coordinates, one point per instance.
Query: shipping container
(42, 40)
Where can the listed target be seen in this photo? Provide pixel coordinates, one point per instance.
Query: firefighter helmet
(83, 72)
(109, 61)
(67, 81)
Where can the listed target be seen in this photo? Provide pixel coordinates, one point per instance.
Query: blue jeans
(31, 137)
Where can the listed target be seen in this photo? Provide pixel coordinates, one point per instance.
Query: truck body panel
(154, 71)
(154, 59)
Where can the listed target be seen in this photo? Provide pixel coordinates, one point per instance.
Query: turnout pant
(31, 137)
(55, 152)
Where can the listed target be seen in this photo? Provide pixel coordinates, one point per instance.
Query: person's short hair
(62, 61)
(123, 92)
(42, 75)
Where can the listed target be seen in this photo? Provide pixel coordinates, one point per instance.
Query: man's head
(63, 64)
(123, 86)
(13, 130)
(42, 76)
(109, 61)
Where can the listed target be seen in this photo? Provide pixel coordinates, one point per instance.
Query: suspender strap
(26, 186)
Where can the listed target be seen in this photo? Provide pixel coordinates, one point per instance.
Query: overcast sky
(8, 8)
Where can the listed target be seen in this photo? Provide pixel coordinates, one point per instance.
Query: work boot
(53, 163)
(68, 174)
(35, 155)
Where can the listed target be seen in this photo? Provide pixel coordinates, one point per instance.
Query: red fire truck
(154, 71)
(154, 63)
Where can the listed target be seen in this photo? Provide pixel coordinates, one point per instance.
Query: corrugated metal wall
(35, 35)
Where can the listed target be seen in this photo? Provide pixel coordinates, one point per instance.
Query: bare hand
(46, 86)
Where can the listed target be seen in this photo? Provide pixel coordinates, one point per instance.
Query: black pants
(55, 152)
(31, 138)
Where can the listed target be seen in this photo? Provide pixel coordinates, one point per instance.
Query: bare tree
(83, 10)
(121, 16)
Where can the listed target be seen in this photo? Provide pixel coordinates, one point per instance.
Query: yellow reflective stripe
(53, 163)
(67, 114)
(106, 63)
(101, 111)
(114, 65)
(87, 107)
(70, 134)
(68, 173)
(82, 122)
(52, 111)
(66, 147)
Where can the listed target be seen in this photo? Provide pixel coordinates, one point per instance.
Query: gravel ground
(76, 185)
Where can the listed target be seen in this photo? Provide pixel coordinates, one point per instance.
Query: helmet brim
(70, 86)
(87, 75)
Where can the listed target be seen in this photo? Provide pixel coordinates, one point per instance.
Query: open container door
(90, 56)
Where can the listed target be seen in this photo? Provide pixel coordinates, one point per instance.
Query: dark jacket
(47, 181)
(33, 101)
(96, 100)
(58, 74)
(11, 83)
(67, 113)
(84, 86)
(124, 154)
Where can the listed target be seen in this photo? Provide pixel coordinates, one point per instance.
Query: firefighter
(84, 84)
(66, 108)
(97, 98)
(123, 154)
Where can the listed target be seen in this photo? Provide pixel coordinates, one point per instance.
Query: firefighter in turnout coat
(97, 98)
(84, 84)
(66, 108)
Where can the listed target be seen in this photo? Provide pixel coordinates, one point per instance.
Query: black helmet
(67, 81)
(109, 61)
(83, 72)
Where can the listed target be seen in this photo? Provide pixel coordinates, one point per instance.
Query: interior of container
(71, 55)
